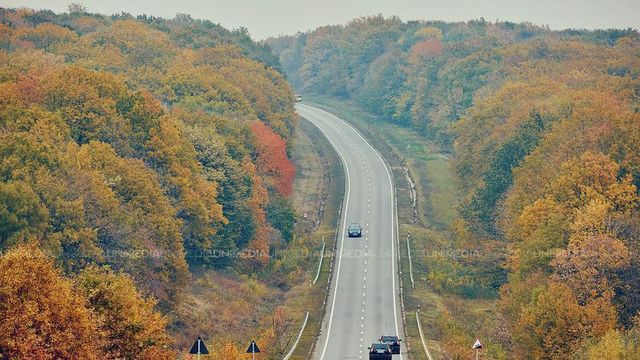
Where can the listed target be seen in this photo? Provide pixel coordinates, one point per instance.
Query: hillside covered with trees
(145, 182)
(543, 128)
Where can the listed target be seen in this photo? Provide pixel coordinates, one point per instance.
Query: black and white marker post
(253, 350)
(199, 348)
(477, 346)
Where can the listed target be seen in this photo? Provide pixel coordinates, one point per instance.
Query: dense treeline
(544, 127)
(147, 145)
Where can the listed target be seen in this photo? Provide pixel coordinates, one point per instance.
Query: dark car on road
(354, 230)
(392, 341)
(380, 351)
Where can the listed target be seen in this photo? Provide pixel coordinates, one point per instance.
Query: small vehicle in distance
(354, 230)
(379, 351)
(297, 97)
(392, 341)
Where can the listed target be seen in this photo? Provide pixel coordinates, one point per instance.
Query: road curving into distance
(363, 302)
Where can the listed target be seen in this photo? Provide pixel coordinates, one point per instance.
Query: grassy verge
(427, 220)
(316, 187)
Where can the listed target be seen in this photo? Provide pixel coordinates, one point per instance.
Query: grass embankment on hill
(319, 188)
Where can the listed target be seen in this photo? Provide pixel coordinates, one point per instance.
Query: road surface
(363, 302)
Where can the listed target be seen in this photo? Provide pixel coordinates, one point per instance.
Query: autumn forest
(132, 150)
(147, 175)
(543, 131)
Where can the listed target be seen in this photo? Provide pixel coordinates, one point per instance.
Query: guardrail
(424, 344)
(410, 261)
(295, 344)
(320, 263)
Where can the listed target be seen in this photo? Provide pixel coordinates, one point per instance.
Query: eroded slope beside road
(363, 303)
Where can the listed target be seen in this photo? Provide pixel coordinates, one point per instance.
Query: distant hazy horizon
(281, 17)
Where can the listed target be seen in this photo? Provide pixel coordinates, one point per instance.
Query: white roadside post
(477, 346)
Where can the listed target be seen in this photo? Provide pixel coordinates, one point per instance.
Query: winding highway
(363, 302)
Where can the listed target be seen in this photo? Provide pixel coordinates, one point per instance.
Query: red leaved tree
(271, 159)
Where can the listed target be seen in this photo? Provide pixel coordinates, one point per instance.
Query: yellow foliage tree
(554, 324)
(128, 322)
(41, 316)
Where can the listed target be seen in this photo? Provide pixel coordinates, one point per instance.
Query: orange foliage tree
(41, 316)
(555, 324)
(271, 159)
(128, 322)
(425, 49)
(259, 245)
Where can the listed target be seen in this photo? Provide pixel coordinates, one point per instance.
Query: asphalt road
(363, 303)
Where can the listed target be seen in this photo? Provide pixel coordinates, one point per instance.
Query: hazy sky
(273, 17)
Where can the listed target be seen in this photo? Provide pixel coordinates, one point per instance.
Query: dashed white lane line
(364, 294)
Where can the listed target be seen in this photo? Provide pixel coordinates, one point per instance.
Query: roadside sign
(199, 348)
(253, 348)
(477, 346)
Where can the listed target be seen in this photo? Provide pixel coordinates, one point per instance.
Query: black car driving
(392, 341)
(354, 230)
(380, 351)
